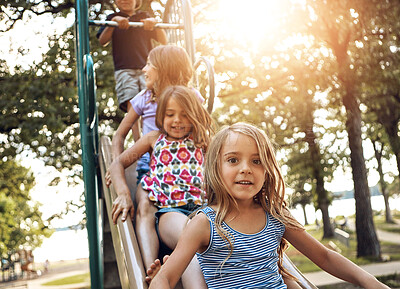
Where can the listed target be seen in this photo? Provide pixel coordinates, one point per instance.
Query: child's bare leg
(290, 283)
(145, 227)
(171, 226)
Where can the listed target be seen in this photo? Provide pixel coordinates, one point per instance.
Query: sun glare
(249, 21)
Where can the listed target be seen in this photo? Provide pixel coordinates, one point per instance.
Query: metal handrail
(211, 81)
(89, 139)
(91, 97)
(126, 248)
(301, 279)
(136, 24)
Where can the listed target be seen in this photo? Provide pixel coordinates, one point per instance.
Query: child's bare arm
(123, 203)
(195, 238)
(106, 35)
(149, 23)
(123, 129)
(330, 261)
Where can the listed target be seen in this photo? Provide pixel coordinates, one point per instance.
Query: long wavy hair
(270, 197)
(173, 67)
(198, 116)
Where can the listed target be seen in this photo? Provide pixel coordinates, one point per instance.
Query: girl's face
(150, 74)
(176, 123)
(241, 168)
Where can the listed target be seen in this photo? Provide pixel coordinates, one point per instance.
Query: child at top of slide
(130, 47)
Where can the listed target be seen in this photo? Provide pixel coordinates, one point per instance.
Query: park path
(321, 278)
(55, 272)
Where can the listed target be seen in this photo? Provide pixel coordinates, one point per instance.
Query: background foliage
(292, 75)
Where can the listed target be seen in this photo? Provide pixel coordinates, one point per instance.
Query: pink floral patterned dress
(176, 173)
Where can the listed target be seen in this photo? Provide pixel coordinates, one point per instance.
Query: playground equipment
(177, 22)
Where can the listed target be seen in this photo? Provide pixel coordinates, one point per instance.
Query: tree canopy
(21, 221)
(314, 75)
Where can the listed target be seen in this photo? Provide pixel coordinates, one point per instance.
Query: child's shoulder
(153, 135)
(201, 219)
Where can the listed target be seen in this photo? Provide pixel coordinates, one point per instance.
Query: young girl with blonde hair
(174, 184)
(240, 236)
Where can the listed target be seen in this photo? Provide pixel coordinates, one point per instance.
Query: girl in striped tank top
(240, 237)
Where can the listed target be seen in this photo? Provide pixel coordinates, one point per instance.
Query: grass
(75, 279)
(387, 249)
(380, 222)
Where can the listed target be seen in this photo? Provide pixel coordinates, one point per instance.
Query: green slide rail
(88, 121)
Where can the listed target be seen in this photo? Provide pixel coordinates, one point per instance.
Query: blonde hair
(270, 197)
(173, 67)
(196, 113)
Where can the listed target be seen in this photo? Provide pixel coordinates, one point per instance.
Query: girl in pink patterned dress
(174, 183)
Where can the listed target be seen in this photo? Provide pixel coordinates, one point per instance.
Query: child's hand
(108, 179)
(123, 23)
(149, 23)
(122, 204)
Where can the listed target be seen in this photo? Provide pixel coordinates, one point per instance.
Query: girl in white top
(245, 191)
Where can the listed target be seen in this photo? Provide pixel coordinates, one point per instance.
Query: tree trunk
(367, 239)
(328, 228)
(382, 183)
(394, 141)
(305, 215)
(388, 117)
(322, 194)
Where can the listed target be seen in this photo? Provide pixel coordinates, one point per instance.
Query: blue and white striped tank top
(253, 263)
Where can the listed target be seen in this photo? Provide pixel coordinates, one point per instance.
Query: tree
(337, 25)
(379, 144)
(381, 87)
(22, 223)
(301, 197)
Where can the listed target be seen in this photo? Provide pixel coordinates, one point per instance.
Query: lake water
(73, 244)
(343, 207)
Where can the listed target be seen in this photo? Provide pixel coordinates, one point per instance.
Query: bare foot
(154, 269)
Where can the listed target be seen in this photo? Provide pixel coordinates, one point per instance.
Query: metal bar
(136, 24)
(188, 22)
(89, 142)
(211, 81)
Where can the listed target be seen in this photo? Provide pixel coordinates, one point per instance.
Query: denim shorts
(186, 210)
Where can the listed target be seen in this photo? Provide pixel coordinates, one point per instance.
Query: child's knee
(145, 209)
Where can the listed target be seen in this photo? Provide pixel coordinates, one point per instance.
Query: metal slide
(105, 240)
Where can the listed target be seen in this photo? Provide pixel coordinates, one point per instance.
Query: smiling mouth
(243, 183)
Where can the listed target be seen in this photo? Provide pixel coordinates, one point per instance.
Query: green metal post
(89, 139)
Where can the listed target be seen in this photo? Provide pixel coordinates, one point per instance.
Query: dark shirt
(130, 47)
